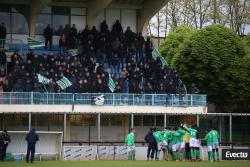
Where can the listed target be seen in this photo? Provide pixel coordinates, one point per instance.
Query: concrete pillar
(165, 120)
(126, 124)
(99, 127)
(29, 121)
(132, 120)
(64, 126)
(94, 8)
(198, 120)
(148, 10)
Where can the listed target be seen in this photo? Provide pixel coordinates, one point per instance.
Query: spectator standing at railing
(73, 37)
(16, 58)
(148, 48)
(62, 42)
(130, 36)
(104, 27)
(48, 33)
(3, 33)
(117, 29)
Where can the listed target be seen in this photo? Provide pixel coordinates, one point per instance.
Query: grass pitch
(117, 163)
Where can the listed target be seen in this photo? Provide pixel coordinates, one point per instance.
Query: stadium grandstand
(97, 76)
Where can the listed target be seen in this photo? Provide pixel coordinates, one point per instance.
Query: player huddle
(179, 144)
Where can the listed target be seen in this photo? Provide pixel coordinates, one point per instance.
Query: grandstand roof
(146, 9)
(135, 3)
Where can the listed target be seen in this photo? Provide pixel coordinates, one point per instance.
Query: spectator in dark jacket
(152, 145)
(2, 60)
(31, 139)
(48, 33)
(2, 57)
(72, 37)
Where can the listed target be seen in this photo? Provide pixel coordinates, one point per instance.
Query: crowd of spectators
(126, 56)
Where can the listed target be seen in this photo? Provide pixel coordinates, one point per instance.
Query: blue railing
(110, 99)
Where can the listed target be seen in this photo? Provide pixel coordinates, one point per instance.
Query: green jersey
(215, 136)
(192, 132)
(167, 136)
(158, 136)
(175, 137)
(182, 133)
(130, 139)
(208, 139)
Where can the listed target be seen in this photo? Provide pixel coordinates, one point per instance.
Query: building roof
(135, 3)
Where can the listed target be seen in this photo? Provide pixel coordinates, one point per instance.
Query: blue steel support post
(10, 97)
(31, 98)
(153, 99)
(191, 100)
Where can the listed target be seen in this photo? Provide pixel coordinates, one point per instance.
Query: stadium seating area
(126, 56)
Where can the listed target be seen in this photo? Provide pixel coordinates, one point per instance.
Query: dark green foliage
(174, 40)
(214, 58)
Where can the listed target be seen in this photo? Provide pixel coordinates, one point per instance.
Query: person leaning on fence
(130, 142)
(31, 139)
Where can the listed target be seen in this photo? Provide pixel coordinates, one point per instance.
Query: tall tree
(214, 59)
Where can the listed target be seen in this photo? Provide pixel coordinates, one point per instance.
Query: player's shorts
(175, 147)
(197, 143)
(215, 145)
(159, 145)
(182, 145)
(209, 148)
(178, 145)
(131, 148)
(192, 142)
(164, 144)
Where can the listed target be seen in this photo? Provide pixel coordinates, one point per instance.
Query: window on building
(19, 24)
(78, 17)
(42, 21)
(5, 18)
